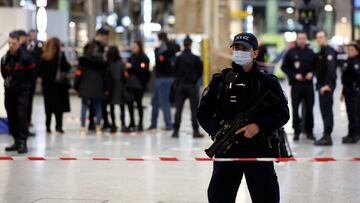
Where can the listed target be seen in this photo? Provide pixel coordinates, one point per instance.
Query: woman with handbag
(55, 83)
(139, 76)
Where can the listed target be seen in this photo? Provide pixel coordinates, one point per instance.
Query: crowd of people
(103, 81)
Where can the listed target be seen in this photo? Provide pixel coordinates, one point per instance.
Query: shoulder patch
(206, 90)
(330, 57)
(356, 66)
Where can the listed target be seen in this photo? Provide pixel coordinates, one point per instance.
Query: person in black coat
(17, 69)
(91, 87)
(55, 84)
(139, 76)
(116, 92)
(350, 93)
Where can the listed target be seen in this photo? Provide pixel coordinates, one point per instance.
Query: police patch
(356, 66)
(206, 90)
(329, 57)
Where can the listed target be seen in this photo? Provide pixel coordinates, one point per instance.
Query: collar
(239, 69)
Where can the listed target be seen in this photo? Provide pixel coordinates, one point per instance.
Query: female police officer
(222, 101)
(350, 93)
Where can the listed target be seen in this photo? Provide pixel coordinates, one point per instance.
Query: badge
(329, 57)
(356, 66)
(297, 64)
(296, 57)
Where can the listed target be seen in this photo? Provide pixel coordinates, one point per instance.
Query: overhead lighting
(290, 36)
(344, 20)
(328, 8)
(72, 24)
(290, 10)
(41, 3)
(126, 21)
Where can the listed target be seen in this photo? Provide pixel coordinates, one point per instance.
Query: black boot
(175, 134)
(296, 136)
(197, 134)
(13, 147)
(349, 139)
(324, 141)
(22, 147)
(310, 136)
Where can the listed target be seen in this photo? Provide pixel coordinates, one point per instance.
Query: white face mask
(242, 58)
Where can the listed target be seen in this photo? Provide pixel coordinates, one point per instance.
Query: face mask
(242, 58)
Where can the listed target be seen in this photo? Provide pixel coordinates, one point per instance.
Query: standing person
(188, 71)
(299, 65)
(115, 76)
(350, 93)
(138, 66)
(35, 49)
(92, 84)
(326, 83)
(164, 73)
(55, 84)
(231, 92)
(101, 40)
(17, 69)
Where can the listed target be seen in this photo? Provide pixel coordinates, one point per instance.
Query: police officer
(350, 93)
(222, 101)
(299, 66)
(17, 69)
(188, 71)
(326, 82)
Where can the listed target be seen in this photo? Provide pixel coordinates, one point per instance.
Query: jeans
(97, 106)
(161, 99)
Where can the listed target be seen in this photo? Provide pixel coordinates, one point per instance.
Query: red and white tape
(177, 159)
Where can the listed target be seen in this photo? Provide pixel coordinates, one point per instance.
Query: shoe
(91, 126)
(60, 131)
(113, 129)
(31, 134)
(349, 139)
(151, 128)
(175, 134)
(167, 129)
(132, 127)
(98, 131)
(324, 141)
(310, 136)
(48, 130)
(140, 128)
(22, 147)
(197, 134)
(82, 131)
(125, 129)
(106, 126)
(296, 137)
(13, 147)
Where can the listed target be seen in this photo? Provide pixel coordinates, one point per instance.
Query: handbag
(61, 78)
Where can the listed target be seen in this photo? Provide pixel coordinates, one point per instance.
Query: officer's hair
(187, 41)
(21, 33)
(102, 31)
(32, 30)
(322, 31)
(301, 33)
(163, 36)
(14, 35)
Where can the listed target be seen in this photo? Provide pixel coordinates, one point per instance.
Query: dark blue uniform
(301, 61)
(326, 75)
(188, 71)
(351, 82)
(222, 101)
(18, 73)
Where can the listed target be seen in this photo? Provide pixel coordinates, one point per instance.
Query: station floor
(152, 181)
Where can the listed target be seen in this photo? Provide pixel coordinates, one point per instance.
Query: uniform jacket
(350, 77)
(188, 68)
(326, 67)
(140, 68)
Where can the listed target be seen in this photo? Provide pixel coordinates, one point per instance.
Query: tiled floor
(87, 181)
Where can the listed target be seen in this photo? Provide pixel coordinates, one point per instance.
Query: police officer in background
(326, 82)
(299, 65)
(222, 101)
(17, 69)
(351, 93)
(188, 71)
(34, 47)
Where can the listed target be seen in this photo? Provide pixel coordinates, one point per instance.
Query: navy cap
(247, 39)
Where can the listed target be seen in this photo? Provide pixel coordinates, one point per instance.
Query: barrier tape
(177, 159)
